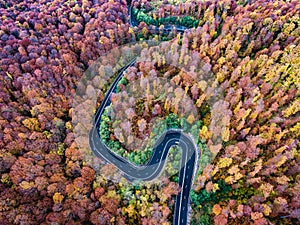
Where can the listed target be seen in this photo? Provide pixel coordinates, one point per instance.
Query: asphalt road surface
(155, 165)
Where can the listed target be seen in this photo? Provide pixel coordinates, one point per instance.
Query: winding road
(155, 164)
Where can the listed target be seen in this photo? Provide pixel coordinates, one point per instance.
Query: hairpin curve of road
(155, 165)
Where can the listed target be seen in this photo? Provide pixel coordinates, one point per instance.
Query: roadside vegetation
(249, 168)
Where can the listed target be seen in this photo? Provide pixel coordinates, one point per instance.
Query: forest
(55, 68)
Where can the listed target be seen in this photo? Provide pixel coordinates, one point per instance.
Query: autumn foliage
(251, 49)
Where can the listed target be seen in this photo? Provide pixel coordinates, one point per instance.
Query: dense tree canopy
(249, 168)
